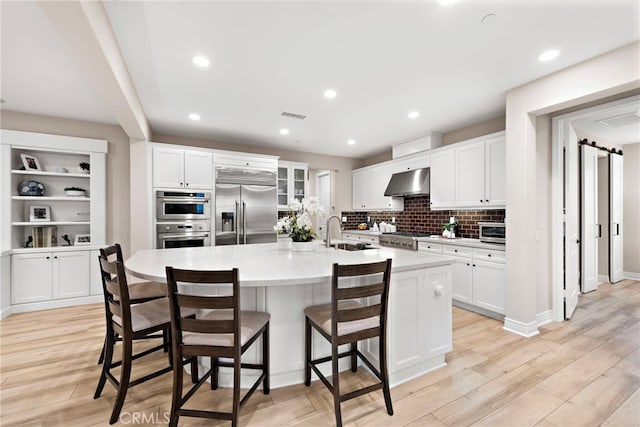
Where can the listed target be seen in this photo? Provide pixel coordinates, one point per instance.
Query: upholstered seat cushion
(250, 323)
(151, 313)
(144, 290)
(321, 316)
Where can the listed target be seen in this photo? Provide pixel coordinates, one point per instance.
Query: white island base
(283, 283)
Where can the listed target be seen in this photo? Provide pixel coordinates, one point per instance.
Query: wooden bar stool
(130, 322)
(138, 292)
(346, 321)
(223, 332)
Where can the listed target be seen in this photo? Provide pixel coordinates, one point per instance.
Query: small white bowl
(74, 193)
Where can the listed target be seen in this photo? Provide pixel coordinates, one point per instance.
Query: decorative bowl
(31, 188)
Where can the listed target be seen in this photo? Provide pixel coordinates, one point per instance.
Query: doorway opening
(587, 227)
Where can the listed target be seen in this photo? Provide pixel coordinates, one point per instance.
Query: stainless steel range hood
(409, 183)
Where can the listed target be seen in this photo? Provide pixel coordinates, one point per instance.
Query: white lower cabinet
(478, 276)
(425, 312)
(488, 285)
(45, 276)
(462, 283)
(356, 238)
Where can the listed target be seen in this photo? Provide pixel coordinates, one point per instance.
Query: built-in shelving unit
(53, 271)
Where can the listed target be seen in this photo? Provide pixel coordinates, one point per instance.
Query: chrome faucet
(328, 238)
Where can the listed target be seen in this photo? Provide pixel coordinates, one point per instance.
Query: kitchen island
(284, 282)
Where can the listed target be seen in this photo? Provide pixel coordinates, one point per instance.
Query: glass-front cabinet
(292, 182)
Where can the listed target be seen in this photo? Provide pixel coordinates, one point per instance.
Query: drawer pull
(455, 250)
(489, 255)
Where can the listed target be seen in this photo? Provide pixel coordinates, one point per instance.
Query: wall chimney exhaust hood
(409, 183)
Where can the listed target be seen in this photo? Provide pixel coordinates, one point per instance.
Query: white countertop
(473, 243)
(363, 232)
(266, 265)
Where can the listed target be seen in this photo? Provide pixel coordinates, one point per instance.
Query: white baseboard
(544, 317)
(46, 305)
(6, 312)
(526, 330)
(631, 275)
(603, 278)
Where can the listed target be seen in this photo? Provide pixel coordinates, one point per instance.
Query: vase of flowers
(298, 225)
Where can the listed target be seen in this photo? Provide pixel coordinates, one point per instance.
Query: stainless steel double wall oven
(183, 219)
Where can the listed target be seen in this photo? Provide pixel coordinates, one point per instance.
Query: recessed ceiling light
(351, 141)
(330, 93)
(548, 55)
(414, 115)
(284, 131)
(201, 61)
(446, 2)
(194, 116)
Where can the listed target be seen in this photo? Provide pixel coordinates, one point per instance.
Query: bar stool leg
(336, 384)
(307, 351)
(266, 388)
(125, 376)
(354, 357)
(107, 351)
(385, 375)
(214, 373)
(177, 394)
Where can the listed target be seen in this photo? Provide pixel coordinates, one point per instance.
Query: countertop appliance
(246, 206)
(183, 205)
(492, 232)
(183, 235)
(402, 239)
(410, 183)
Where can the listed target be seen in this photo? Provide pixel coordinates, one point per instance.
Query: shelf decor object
(82, 239)
(39, 213)
(31, 188)
(30, 162)
(74, 191)
(45, 237)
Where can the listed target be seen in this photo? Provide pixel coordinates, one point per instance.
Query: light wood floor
(585, 372)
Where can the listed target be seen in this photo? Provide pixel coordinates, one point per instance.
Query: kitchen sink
(354, 247)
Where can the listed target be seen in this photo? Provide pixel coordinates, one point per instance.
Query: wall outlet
(344, 219)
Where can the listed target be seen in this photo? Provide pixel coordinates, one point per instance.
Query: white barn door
(589, 227)
(615, 218)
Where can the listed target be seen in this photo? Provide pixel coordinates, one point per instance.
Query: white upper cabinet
(175, 168)
(198, 169)
(369, 185)
(292, 182)
(470, 175)
(495, 168)
(442, 179)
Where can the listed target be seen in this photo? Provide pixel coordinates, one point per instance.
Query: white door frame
(557, 187)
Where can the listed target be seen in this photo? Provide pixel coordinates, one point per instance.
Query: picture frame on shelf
(82, 239)
(39, 213)
(30, 162)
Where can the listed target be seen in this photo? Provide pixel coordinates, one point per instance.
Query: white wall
(631, 210)
(612, 73)
(117, 161)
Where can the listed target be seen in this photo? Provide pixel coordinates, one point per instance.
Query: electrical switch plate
(344, 219)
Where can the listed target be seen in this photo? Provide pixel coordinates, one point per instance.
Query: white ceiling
(384, 58)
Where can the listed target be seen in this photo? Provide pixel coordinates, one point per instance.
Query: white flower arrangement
(299, 224)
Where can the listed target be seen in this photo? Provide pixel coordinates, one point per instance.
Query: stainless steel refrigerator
(246, 206)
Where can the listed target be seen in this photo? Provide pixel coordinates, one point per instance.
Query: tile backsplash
(417, 216)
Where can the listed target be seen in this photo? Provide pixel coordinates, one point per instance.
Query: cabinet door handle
(474, 265)
(489, 255)
(455, 250)
(181, 184)
(481, 201)
(48, 257)
(186, 184)
(486, 200)
(55, 257)
(467, 264)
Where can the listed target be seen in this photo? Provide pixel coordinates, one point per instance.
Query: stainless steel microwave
(183, 205)
(492, 232)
